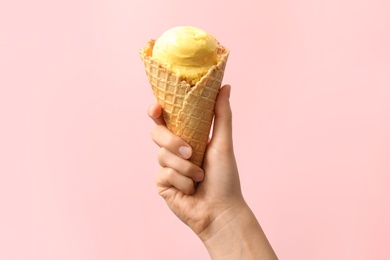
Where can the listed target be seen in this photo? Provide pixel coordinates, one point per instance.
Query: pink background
(311, 103)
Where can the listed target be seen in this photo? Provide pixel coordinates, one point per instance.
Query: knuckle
(157, 134)
(161, 155)
(157, 178)
(170, 173)
(161, 152)
(161, 177)
(153, 133)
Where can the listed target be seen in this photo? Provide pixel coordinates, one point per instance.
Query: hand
(218, 188)
(208, 200)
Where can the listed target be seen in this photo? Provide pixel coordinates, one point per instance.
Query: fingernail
(185, 151)
(198, 176)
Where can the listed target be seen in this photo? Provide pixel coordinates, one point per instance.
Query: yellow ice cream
(188, 51)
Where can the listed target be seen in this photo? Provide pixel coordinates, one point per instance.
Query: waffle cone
(187, 110)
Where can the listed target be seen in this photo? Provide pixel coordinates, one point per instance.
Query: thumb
(222, 130)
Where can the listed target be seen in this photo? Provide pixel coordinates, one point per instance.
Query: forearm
(238, 235)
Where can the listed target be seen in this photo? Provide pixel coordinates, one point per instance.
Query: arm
(214, 209)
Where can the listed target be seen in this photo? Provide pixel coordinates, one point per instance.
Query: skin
(209, 200)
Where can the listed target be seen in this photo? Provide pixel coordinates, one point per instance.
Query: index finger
(155, 113)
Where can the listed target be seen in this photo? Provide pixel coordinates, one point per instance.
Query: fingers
(163, 137)
(155, 113)
(177, 172)
(222, 131)
(168, 178)
(184, 167)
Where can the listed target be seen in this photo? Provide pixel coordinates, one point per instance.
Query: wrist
(236, 234)
(223, 221)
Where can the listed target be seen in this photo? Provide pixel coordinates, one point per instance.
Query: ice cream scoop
(188, 51)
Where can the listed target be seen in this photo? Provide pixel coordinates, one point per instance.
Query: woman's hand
(209, 200)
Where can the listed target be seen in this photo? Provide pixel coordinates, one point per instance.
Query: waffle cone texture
(188, 110)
